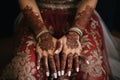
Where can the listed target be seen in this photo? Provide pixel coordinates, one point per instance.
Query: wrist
(34, 20)
(46, 32)
(73, 33)
(39, 29)
(76, 31)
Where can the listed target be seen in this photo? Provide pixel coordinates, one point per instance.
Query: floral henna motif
(72, 40)
(52, 63)
(82, 18)
(70, 60)
(56, 57)
(33, 19)
(63, 60)
(45, 62)
(46, 42)
(76, 60)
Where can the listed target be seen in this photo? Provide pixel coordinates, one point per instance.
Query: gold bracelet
(77, 30)
(42, 32)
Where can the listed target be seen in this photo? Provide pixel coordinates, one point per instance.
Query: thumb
(59, 46)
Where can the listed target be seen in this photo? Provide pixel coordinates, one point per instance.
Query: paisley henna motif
(83, 18)
(33, 19)
(46, 42)
(72, 38)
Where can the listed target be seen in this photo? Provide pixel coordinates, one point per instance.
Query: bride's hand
(70, 47)
(45, 48)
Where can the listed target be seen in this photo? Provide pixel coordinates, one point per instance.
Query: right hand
(70, 48)
(45, 48)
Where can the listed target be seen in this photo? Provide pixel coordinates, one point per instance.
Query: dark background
(109, 10)
(9, 9)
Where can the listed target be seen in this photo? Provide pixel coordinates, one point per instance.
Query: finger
(76, 62)
(70, 61)
(38, 61)
(58, 47)
(63, 63)
(38, 53)
(52, 65)
(45, 62)
(57, 62)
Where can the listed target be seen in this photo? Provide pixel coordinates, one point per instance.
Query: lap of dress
(23, 65)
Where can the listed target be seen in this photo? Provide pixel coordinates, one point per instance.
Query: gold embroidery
(92, 39)
(21, 68)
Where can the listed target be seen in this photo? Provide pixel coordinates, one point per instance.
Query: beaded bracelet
(42, 32)
(77, 30)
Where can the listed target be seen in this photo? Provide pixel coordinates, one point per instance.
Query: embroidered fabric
(57, 4)
(58, 1)
(112, 48)
(24, 63)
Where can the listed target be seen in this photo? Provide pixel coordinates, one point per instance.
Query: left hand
(71, 48)
(45, 51)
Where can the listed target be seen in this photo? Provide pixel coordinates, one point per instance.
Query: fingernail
(38, 67)
(47, 74)
(87, 62)
(77, 69)
(62, 72)
(55, 75)
(57, 51)
(69, 73)
(59, 73)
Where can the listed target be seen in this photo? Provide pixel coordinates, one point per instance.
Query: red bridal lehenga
(59, 20)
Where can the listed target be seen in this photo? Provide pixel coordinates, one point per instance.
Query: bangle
(42, 32)
(77, 30)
